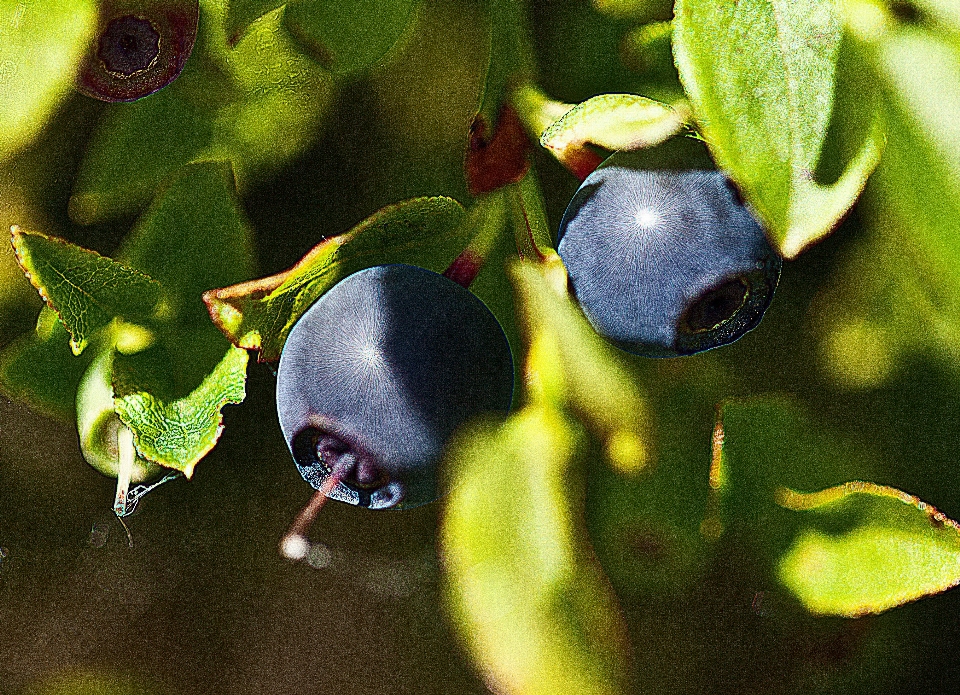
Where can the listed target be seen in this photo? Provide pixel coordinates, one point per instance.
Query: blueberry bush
(500, 265)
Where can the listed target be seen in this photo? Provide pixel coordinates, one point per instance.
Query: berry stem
(294, 544)
(128, 455)
(531, 229)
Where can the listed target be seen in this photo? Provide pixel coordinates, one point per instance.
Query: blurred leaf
(258, 315)
(86, 289)
(530, 603)
(912, 206)
(597, 384)
(193, 237)
(177, 434)
(760, 75)
(348, 35)
(41, 46)
(240, 14)
(631, 9)
(867, 548)
(258, 105)
(614, 122)
(40, 370)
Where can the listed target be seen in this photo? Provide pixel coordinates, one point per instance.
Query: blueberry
(666, 263)
(379, 372)
(140, 47)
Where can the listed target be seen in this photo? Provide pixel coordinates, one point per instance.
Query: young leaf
(611, 121)
(177, 434)
(761, 76)
(534, 610)
(41, 46)
(258, 315)
(890, 549)
(86, 289)
(349, 35)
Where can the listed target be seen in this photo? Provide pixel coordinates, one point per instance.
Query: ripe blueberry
(666, 263)
(376, 376)
(140, 47)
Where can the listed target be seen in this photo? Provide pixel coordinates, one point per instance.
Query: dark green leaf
(194, 237)
(41, 370)
(349, 35)
(867, 548)
(761, 77)
(177, 434)
(86, 289)
(41, 47)
(258, 315)
(257, 105)
(527, 597)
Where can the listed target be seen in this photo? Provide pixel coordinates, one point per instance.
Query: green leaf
(86, 289)
(194, 237)
(614, 122)
(42, 44)
(40, 370)
(258, 315)
(240, 14)
(349, 35)
(525, 592)
(597, 385)
(868, 548)
(178, 433)
(257, 105)
(761, 77)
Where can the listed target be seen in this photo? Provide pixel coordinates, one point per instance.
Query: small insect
(140, 46)
(375, 377)
(666, 263)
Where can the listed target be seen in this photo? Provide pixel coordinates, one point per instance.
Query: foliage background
(203, 603)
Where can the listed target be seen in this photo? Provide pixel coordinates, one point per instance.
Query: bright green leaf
(526, 595)
(86, 289)
(597, 384)
(614, 122)
(761, 77)
(41, 46)
(348, 35)
(177, 434)
(258, 315)
(868, 548)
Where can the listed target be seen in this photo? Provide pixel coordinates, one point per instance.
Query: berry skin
(666, 263)
(141, 46)
(379, 372)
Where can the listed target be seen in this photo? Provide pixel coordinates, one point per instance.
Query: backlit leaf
(42, 44)
(761, 75)
(866, 548)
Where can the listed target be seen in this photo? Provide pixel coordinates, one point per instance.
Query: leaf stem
(127, 457)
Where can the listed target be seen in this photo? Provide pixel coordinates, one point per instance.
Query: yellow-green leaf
(527, 595)
(868, 548)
